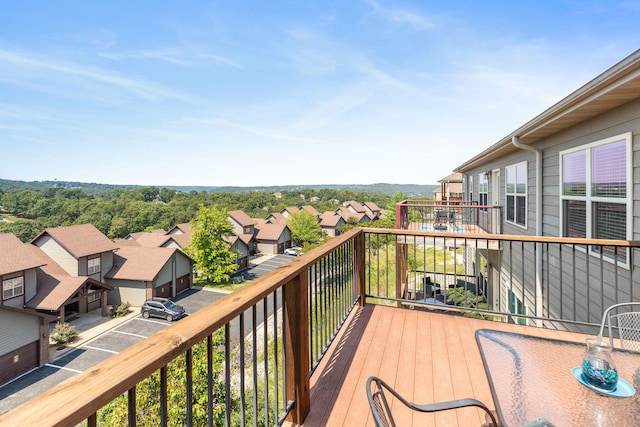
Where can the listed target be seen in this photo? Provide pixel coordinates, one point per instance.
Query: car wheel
(169, 318)
(145, 314)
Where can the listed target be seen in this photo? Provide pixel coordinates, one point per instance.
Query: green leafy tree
(209, 247)
(391, 207)
(304, 227)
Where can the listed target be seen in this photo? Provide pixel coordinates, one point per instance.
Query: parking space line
(151, 320)
(129, 333)
(101, 349)
(63, 368)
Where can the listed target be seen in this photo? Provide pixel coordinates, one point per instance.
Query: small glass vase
(598, 366)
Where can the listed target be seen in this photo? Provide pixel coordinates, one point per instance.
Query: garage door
(164, 290)
(182, 284)
(19, 362)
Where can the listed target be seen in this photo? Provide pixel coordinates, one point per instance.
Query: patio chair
(627, 323)
(376, 389)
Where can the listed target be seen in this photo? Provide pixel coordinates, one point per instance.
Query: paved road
(264, 267)
(113, 341)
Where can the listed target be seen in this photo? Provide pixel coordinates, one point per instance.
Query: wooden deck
(427, 357)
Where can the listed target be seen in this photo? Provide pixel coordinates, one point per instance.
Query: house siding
(17, 330)
(30, 283)
(59, 254)
(565, 269)
(132, 291)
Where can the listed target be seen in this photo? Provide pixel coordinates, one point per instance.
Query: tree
(391, 206)
(304, 227)
(209, 247)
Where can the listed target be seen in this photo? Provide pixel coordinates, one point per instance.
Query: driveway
(105, 339)
(260, 269)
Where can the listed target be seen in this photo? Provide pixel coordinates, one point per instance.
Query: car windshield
(169, 304)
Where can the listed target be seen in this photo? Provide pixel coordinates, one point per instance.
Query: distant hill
(411, 190)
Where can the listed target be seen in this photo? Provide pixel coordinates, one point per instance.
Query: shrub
(64, 333)
(122, 310)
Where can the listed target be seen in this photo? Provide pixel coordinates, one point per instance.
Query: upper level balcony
(461, 216)
(296, 346)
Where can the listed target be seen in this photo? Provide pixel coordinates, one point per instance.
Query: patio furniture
(532, 379)
(627, 323)
(376, 389)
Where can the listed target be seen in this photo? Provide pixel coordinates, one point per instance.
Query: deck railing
(247, 358)
(448, 216)
(540, 281)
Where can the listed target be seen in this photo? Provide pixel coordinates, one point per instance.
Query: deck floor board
(426, 356)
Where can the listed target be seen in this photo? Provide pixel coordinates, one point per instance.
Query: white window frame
(93, 267)
(589, 199)
(515, 194)
(516, 306)
(13, 287)
(483, 182)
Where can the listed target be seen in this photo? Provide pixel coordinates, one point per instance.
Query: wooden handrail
(80, 396)
(507, 237)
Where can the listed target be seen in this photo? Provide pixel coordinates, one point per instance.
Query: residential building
(450, 188)
(569, 172)
(24, 333)
(331, 222)
(139, 273)
(272, 239)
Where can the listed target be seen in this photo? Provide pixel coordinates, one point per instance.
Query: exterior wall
(563, 269)
(268, 247)
(17, 330)
(30, 284)
(166, 273)
(132, 291)
(59, 254)
(172, 244)
(106, 262)
(17, 301)
(183, 265)
(237, 228)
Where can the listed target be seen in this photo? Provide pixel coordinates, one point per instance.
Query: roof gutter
(538, 292)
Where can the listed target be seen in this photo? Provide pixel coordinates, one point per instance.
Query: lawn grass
(228, 286)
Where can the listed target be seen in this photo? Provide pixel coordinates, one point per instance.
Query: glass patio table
(531, 378)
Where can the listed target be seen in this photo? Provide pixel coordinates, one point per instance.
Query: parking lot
(75, 360)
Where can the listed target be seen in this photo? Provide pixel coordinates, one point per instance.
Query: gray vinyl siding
(571, 278)
(30, 283)
(17, 330)
(63, 258)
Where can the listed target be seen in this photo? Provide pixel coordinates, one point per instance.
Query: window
(516, 306)
(93, 266)
(483, 190)
(596, 191)
(516, 193)
(13, 287)
(93, 296)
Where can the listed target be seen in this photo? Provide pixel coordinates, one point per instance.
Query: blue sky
(285, 92)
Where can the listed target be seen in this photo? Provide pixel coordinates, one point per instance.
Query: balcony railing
(448, 216)
(247, 358)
